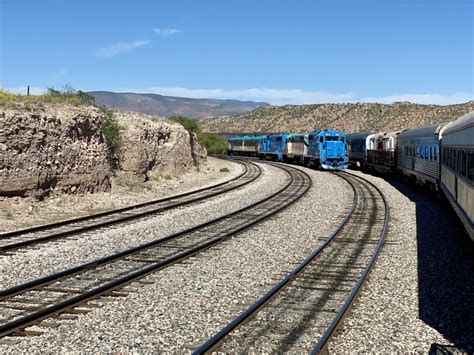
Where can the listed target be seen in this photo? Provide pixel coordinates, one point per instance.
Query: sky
(281, 52)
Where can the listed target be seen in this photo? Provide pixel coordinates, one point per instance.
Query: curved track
(29, 303)
(301, 312)
(12, 241)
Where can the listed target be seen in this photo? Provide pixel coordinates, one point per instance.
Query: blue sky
(275, 51)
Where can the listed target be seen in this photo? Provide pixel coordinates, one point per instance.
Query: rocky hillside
(53, 148)
(167, 106)
(346, 117)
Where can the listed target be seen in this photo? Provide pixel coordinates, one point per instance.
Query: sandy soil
(18, 212)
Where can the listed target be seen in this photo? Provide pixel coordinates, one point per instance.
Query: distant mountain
(349, 118)
(167, 106)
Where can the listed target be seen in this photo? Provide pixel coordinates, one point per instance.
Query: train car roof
(424, 131)
(246, 138)
(304, 135)
(358, 135)
(328, 131)
(298, 134)
(460, 124)
(385, 134)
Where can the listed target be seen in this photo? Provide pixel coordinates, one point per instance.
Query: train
(325, 149)
(439, 156)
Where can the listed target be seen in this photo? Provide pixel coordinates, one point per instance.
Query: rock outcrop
(60, 148)
(157, 145)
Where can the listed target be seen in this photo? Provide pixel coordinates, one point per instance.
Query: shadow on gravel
(445, 268)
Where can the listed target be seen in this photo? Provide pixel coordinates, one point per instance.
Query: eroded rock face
(157, 146)
(60, 148)
(57, 149)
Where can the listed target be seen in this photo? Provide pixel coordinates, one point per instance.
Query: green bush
(213, 144)
(111, 131)
(189, 124)
(70, 95)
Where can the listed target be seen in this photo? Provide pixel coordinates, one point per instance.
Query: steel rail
(122, 209)
(217, 338)
(120, 219)
(323, 342)
(21, 323)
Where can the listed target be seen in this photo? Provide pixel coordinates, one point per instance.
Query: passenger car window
(470, 166)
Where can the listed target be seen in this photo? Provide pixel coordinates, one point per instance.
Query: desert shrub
(113, 139)
(213, 144)
(156, 176)
(70, 95)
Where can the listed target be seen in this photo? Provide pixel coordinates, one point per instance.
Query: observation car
(357, 148)
(418, 154)
(381, 151)
(327, 149)
(457, 169)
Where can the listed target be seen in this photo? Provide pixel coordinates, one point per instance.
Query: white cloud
(117, 48)
(166, 32)
(281, 96)
(422, 98)
(300, 96)
(273, 96)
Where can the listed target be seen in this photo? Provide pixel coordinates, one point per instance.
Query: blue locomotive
(273, 146)
(327, 149)
(288, 147)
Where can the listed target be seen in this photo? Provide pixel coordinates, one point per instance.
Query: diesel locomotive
(440, 156)
(326, 149)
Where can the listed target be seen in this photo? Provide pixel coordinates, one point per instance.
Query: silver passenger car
(418, 153)
(457, 169)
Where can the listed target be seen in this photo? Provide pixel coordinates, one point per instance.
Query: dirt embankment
(60, 148)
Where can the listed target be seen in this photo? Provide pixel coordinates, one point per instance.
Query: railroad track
(27, 304)
(19, 239)
(302, 311)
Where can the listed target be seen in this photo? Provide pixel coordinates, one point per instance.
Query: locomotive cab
(328, 149)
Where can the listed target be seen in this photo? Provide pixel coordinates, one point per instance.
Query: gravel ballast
(20, 212)
(190, 301)
(418, 296)
(55, 256)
